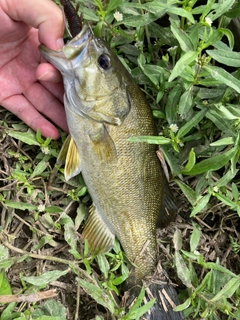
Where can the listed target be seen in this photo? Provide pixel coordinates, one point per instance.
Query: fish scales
(104, 108)
(126, 186)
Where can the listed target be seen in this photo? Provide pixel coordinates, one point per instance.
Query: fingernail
(48, 76)
(43, 76)
(60, 43)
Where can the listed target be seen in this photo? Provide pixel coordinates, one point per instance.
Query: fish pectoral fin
(73, 162)
(96, 232)
(103, 145)
(169, 209)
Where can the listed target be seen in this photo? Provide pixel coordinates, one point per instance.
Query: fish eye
(104, 61)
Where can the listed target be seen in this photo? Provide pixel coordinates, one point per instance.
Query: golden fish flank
(104, 108)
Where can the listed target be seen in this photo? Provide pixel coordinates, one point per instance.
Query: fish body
(105, 108)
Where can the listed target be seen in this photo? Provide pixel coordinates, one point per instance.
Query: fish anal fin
(98, 235)
(73, 161)
(169, 209)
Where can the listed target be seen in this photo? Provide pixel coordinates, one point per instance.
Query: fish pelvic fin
(73, 162)
(61, 159)
(70, 156)
(169, 209)
(96, 232)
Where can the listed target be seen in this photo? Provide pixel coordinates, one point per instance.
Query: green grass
(182, 55)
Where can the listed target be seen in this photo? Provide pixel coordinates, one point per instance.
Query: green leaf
(153, 72)
(201, 204)
(185, 103)
(172, 104)
(229, 58)
(215, 266)
(8, 313)
(177, 240)
(225, 200)
(143, 19)
(183, 306)
(6, 263)
(5, 287)
(181, 12)
(223, 142)
(20, 205)
(182, 63)
(103, 264)
(195, 237)
(98, 294)
(204, 9)
(113, 4)
(228, 290)
(136, 314)
(50, 310)
(229, 35)
(234, 12)
(45, 278)
(191, 123)
(170, 159)
(28, 137)
(189, 193)
(4, 254)
(220, 9)
(224, 77)
(38, 170)
(191, 162)
(182, 270)
(226, 178)
(150, 139)
(183, 39)
(213, 163)
(136, 311)
(53, 209)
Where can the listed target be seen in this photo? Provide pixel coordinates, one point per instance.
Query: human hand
(24, 89)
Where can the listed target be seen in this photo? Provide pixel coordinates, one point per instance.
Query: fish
(130, 195)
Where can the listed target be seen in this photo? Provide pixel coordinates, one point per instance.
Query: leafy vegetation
(182, 54)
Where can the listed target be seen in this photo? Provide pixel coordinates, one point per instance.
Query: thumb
(43, 15)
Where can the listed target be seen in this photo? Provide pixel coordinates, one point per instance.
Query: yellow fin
(99, 237)
(102, 145)
(63, 152)
(73, 162)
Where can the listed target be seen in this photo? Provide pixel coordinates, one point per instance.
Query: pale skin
(31, 88)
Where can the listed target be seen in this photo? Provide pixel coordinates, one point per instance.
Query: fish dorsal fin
(73, 161)
(96, 232)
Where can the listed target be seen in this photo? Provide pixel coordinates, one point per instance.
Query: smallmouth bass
(104, 108)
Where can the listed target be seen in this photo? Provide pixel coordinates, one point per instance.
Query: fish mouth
(63, 58)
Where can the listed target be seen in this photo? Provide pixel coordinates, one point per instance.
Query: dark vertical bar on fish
(74, 22)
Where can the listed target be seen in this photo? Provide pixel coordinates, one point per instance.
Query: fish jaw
(67, 58)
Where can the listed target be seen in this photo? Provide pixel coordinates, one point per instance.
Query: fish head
(95, 81)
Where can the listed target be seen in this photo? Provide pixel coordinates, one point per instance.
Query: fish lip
(69, 49)
(64, 58)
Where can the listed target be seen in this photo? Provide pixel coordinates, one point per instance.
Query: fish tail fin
(160, 288)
